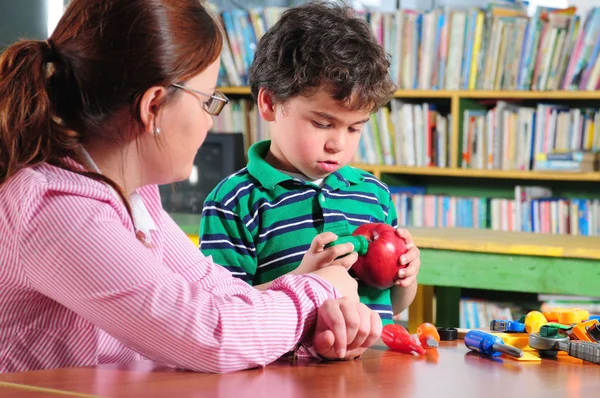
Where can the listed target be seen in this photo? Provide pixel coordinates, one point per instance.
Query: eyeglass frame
(214, 96)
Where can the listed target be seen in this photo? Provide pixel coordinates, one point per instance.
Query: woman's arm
(184, 311)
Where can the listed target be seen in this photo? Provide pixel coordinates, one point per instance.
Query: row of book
(407, 134)
(477, 314)
(532, 210)
(508, 136)
(491, 48)
(241, 116)
(404, 134)
(514, 137)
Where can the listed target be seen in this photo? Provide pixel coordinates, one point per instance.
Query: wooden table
(450, 371)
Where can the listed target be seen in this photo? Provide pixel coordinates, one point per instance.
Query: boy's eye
(321, 126)
(353, 130)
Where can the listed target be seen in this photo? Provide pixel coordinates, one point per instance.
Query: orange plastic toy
(428, 335)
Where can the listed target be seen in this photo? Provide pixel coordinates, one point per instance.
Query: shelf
(499, 94)
(475, 94)
(235, 90)
(539, 95)
(474, 173)
(444, 94)
(510, 243)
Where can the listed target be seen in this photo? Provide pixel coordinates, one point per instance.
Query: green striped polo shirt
(259, 222)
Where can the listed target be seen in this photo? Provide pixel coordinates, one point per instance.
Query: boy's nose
(335, 144)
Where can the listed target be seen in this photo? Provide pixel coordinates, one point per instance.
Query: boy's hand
(407, 276)
(345, 329)
(317, 256)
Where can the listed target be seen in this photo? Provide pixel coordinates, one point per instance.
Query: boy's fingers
(410, 271)
(331, 253)
(411, 255)
(406, 282)
(404, 234)
(319, 241)
(347, 261)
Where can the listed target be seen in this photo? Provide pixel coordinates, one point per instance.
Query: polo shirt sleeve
(225, 237)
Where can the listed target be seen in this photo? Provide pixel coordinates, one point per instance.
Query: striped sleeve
(184, 311)
(225, 237)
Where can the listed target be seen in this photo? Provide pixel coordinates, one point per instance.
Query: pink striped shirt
(77, 288)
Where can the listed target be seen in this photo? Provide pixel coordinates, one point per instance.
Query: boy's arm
(225, 237)
(401, 297)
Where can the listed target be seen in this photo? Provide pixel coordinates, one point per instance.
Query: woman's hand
(345, 329)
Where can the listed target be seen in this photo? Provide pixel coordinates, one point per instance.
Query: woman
(92, 270)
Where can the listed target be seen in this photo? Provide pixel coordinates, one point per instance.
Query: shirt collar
(142, 220)
(269, 177)
(344, 177)
(263, 172)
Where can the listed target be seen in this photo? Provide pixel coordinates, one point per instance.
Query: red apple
(379, 266)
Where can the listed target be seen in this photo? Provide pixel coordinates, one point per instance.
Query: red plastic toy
(397, 338)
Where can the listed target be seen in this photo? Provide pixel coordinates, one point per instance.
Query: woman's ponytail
(30, 133)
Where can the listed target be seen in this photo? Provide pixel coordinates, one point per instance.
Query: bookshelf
(462, 258)
(542, 63)
(378, 170)
(455, 97)
(458, 94)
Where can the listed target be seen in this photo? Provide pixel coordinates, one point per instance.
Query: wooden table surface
(451, 371)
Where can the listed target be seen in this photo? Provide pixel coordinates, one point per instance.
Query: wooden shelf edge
(473, 173)
(474, 94)
(508, 243)
(235, 90)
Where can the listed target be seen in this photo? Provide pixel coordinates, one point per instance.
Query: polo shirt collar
(269, 177)
(265, 174)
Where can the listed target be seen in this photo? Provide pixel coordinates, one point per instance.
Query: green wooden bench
(511, 261)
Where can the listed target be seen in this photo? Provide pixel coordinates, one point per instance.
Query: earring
(156, 131)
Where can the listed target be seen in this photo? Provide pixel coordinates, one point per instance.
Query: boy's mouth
(328, 165)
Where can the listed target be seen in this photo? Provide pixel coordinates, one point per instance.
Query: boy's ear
(265, 105)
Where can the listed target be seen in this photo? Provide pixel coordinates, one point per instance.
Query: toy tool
(489, 344)
(507, 326)
(448, 334)
(534, 321)
(583, 350)
(360, 243)
(594, 332)
(397, 338)
(567, 315)
(428, 335)
(581, 330)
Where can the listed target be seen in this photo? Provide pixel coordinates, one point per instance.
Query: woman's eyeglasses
(215, 102)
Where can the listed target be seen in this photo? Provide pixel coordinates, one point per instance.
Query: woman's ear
(266, 107)
(149, 108)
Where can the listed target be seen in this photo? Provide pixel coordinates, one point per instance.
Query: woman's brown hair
(100, 59)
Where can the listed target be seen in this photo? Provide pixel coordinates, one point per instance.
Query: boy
(316, 77)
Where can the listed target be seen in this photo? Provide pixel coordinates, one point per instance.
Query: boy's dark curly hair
(323, 44)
